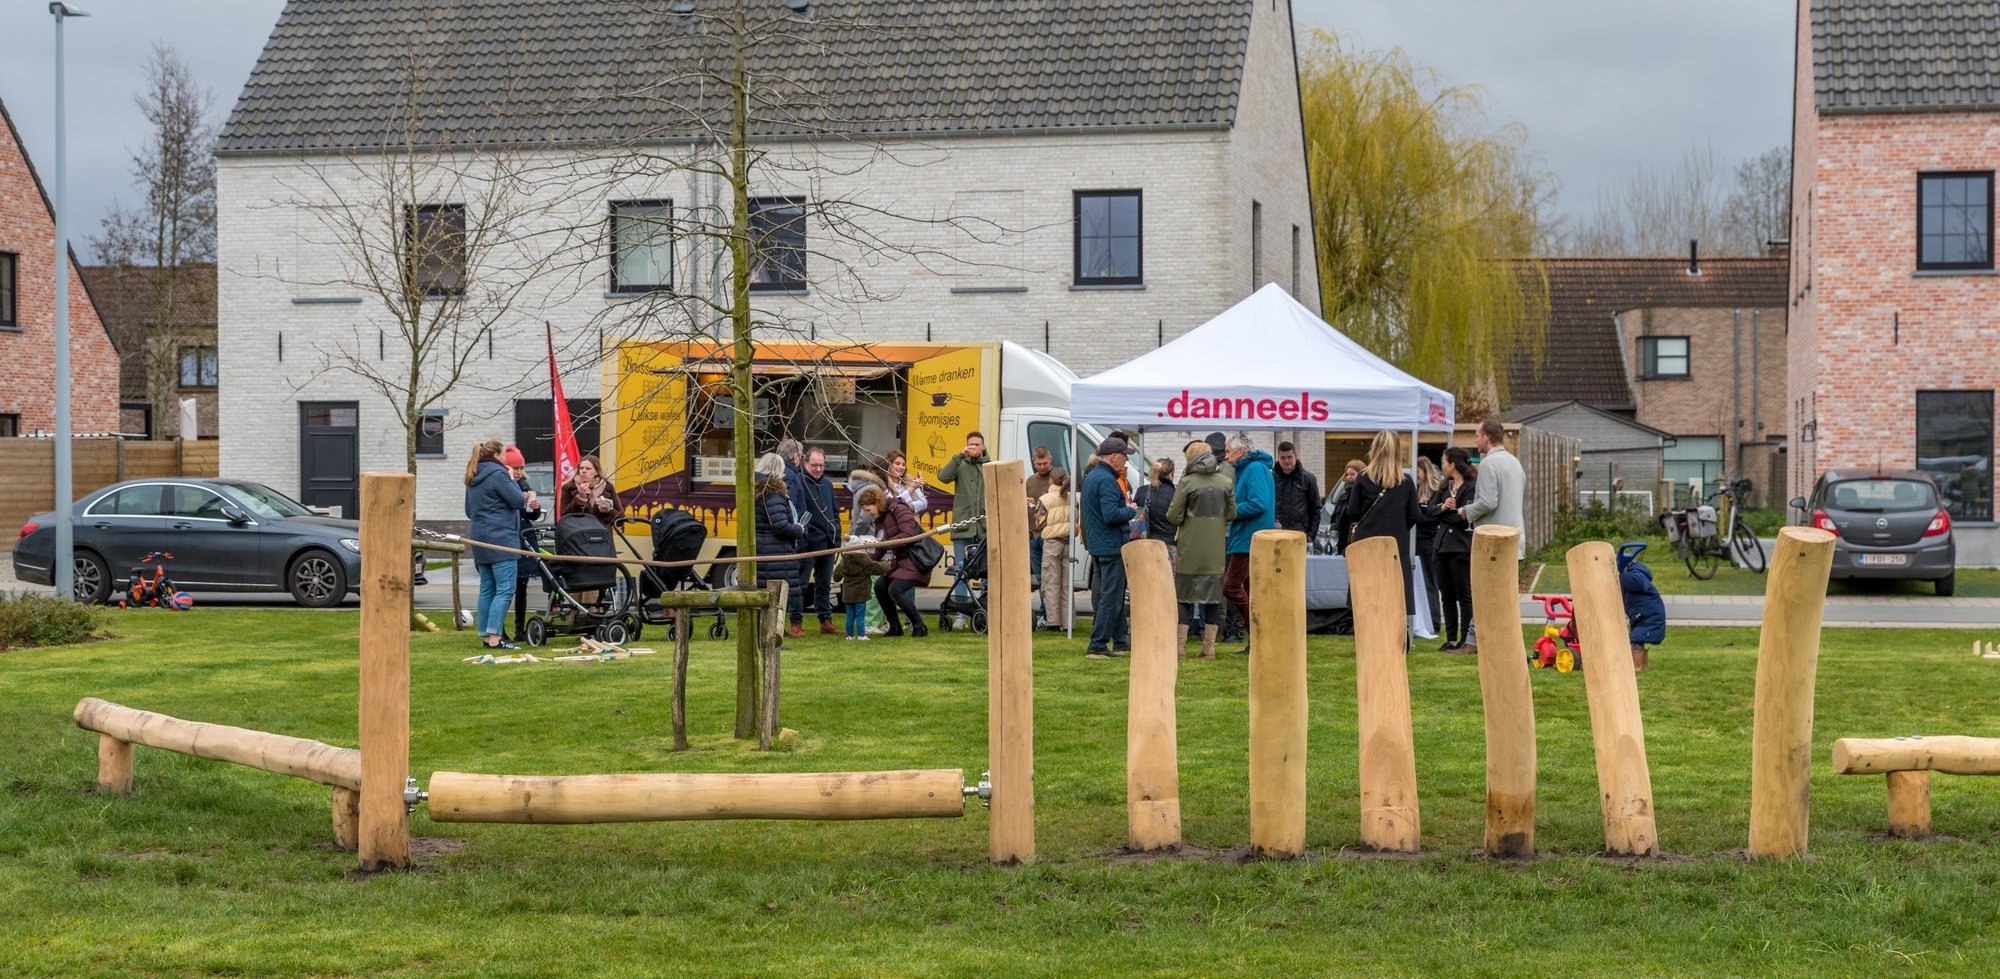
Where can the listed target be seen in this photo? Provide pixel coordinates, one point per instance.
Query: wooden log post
(1390, 819)
(457, 597)
(1010, 667)
(1278, 693)
(457, 797)
(346, 819)
(297, 757)
(774, 640)
(1504, 690)
(682, 627)
(114, 766)
(388, 506)
(1152, 771)
(1909, 804)
(1787, 664)
(1611, 690)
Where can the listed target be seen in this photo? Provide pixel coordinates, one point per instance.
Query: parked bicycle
(1698, 536)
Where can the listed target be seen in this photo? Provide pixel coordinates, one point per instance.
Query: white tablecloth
(1326, 588)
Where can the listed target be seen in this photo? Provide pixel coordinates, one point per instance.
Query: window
(1053, 436)
(1663, 357)
(132, 501)
(10, 426)
(1691, 457)
(198, 367)
(1256, 246)
(10, 266)
(1108, 246)
(1955, 220)
(777, 244)
(197, 503)
(436, 248)
(642, 246)
(430, 432)
(1955, 445)
(535, 427)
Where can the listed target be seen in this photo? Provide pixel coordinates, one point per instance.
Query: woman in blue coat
(493, 504)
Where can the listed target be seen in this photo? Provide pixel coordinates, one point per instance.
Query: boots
(1639, 659)
(1181, 648)
(1208, 641)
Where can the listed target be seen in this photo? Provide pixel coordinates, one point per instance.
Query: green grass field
(211, 869)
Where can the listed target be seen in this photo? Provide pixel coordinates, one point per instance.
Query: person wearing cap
(1106, 511)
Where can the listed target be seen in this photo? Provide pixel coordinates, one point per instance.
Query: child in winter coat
(854, 576)
(1645, 612)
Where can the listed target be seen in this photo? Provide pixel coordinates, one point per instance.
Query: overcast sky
(1601, 85)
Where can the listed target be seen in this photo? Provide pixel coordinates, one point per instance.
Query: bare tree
(171, 236)
(1657, 212)
(1759, 208)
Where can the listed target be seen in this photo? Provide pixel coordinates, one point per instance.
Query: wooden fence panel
(201, 458)
(145, 460)
(27, 483)
(1547, 459)
(28, 471)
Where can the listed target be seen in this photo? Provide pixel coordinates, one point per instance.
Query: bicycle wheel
(1746, 547)
(1685, 548)
(1704, 556)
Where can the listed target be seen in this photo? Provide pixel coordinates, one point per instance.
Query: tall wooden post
(1010, 668)
(1505, 692)
(1611, 688)
(682, 626)
(1278, 693)
(1787, 664)
(388, 506)
(1390, 818)
(457, 597)
(1152, 771)
(773, 627)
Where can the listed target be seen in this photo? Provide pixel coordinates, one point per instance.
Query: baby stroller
(677, 536)
(609, 617)
(971, 575)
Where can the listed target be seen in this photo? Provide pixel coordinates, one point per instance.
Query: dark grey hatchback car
(1886, 525)
(224, 534)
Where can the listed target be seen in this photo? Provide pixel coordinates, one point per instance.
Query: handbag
(925, 553)
(1354, 526)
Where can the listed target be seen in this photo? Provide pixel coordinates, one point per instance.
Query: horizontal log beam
(456, 797)
(1951, 754)
(298, 757)
(759, 598)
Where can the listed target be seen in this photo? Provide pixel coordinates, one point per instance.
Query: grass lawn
(1671, 575)
(211, 869)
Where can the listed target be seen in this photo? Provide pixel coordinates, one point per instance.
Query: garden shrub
(44, 620)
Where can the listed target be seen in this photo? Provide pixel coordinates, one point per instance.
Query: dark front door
(330, 456)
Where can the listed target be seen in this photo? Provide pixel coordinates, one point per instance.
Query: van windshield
(1881, 495)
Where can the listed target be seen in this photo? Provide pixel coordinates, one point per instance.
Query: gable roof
(532, 72)
(1582, 356)
(1526, 414)
(49, 207)
(1905, 55)
(126, 296)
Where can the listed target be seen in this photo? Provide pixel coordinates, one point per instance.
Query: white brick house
(1191, 106)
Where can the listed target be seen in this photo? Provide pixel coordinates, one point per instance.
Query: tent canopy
(1265, 363)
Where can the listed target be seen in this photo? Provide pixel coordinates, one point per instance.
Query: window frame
(758, 205)
(214, 361)
(1138, 236)
(1992, 436)
(412, 215)
(673, 250)
(10, 425)
(10, 290)
(1649, 358)
(427, 447)
(1987, 262)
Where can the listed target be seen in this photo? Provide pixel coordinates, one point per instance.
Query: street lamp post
(65, 569)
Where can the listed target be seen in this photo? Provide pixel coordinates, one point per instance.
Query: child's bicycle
(1557, 647)
(150, 586)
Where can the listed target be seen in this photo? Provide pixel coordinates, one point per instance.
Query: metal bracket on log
(983, 791)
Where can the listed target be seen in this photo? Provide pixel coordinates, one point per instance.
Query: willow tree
(1420, 209)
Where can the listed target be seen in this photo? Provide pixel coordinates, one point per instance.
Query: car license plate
(1893, 560)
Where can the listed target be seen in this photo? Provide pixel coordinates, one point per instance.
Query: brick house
(1692, 348)
(1894, 294)
(128, 295)
(1176, 122)
(28, 310)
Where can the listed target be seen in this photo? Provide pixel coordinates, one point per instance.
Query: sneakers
(826, 628)
(502, 644)
(1097, 654)
(1463, 650)
(920, 631)
(861, 638)
(795, 632)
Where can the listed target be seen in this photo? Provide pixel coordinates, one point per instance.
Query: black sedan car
(224, 535)
(1887, 525)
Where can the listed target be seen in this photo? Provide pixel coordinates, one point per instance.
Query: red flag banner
(567, 457)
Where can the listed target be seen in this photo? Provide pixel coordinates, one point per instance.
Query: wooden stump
(388, 505)
(1787, 663)
(346, 819)
(1390, 818)
(114, 766)
(1278, 693)
(1505, 692)
(1909, 804)
(1152, 772)
(1010, 669)
(1611, 688)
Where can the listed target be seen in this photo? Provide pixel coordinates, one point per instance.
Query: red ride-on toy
(1557, 646)
(150, 586)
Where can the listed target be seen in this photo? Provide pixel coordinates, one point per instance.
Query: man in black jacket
(1297, 492)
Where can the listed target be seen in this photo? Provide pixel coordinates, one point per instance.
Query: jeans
(815, 591)
(496, 592)
(1108, 625)
(899, 596)
(857, 619)
(1236, 585)
(1035, 560)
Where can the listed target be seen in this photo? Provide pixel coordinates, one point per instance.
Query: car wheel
(316, 580)
(90, 579)
(1947, 585)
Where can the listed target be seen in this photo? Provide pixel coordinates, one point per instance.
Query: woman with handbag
(896, 591)
(1384, 502)
(1454, 550)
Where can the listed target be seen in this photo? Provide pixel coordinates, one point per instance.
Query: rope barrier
(697, 562)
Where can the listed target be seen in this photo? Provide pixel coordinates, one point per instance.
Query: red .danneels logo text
(1305, 407)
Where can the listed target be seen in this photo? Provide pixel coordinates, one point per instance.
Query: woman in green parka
(1204, 500)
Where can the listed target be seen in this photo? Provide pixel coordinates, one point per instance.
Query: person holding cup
(589, 492)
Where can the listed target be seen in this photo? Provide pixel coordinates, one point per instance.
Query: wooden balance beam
(456, 797)
(1907, 764)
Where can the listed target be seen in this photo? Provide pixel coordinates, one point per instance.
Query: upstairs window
(10, 264)
(435, 248)
(1109, 249)
(198, 367)
(642, 246)
(777, 244)
(1955, 220)
(1663, 358)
